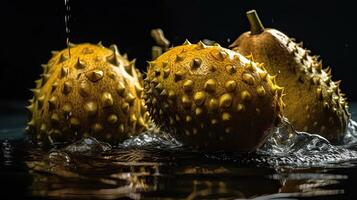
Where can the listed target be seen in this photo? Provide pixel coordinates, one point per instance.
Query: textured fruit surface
(212, 98)
(314, 103)
(94, 91)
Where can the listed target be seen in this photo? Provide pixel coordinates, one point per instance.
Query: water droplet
(7, 152)
(59, 158)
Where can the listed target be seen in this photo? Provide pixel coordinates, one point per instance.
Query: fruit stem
(256, 26)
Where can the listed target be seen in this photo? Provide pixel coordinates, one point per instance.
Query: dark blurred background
(31, 29)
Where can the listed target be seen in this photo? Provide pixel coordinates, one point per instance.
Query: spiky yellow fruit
(93, 91)
(313, 101)
(212, 98)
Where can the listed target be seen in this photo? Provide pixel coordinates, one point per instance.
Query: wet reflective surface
(158, 167)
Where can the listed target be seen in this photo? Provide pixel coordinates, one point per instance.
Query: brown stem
(160, 38)
(256, 26)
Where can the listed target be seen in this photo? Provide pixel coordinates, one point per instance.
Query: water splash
(58, 158)
(88, 146)
(158, 140)
(350, 139)
(287, 146)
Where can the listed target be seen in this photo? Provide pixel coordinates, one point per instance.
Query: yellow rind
(93, 92)
(314, 103)
(212, 98)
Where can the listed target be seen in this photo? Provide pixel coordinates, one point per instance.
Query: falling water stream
(67, 16)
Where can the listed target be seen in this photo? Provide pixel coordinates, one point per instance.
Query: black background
(31, 29)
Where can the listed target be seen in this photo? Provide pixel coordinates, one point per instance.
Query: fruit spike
(182, 93)
(88, 93)
(300, 74)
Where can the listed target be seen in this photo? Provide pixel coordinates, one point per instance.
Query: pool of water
(158, 167)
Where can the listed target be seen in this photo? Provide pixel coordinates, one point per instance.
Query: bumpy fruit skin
(93, 92)
(314, 103)
(212, 98)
